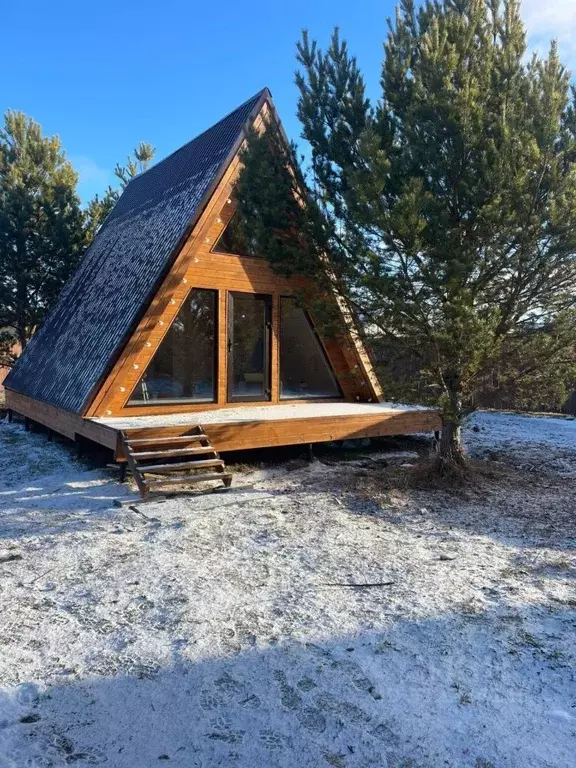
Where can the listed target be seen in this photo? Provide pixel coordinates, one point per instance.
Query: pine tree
(43, 229)
(448, 209)
(139, 162)
(99, 207)
(42, 234)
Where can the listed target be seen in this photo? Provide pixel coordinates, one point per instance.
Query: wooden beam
(63, 422)
(245, 435)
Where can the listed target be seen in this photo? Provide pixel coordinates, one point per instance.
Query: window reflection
(183, 368)
(304, 370)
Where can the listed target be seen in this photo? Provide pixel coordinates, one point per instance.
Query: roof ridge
(254, 98)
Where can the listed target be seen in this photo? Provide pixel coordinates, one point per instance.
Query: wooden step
(193, 479)
(173, 452)
(177, 446)
(163, 440)
(185, 465)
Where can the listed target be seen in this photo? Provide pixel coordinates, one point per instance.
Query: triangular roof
(99, 307)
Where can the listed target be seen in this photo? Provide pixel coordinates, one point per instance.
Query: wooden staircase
(183, 459)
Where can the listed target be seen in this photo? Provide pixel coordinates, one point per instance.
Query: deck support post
(79, 447)
(26, 423)
(49, 434)
(436, 441)
(123, 468)
(311, 456)
(10, 416)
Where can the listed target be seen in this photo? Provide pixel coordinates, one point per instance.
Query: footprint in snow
(228, 686)
(272, 739)
(346, 711)
(209, 700)
(311, 719)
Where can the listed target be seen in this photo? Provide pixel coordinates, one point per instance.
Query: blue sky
(106, 75)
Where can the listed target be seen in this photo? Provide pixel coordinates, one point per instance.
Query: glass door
(249, 322)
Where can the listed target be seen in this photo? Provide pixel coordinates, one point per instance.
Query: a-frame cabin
(167, 330)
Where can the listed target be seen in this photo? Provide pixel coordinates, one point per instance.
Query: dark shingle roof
(119, 275)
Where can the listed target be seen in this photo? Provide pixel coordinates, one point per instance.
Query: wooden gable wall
(196, 266)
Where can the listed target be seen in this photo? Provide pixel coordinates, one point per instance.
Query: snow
(257, 413)
(321, 614)
(533, 443)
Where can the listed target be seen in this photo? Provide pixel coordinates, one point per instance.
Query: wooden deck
(242, 427)
(232, 429)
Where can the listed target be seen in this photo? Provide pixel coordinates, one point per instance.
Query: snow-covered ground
(316, 615)
(529, 443)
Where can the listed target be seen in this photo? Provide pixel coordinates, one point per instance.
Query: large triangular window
(183, 369)
(232, 240)
(304, 368)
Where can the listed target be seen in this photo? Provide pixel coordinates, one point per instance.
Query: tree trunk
(21, 305)
(451, 457)
(451, 451)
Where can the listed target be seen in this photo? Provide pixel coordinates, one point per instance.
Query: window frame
(307, 315)
(267, 363)
(161, 403)
(240, 252)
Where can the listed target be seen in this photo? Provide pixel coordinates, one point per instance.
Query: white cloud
(548, 19)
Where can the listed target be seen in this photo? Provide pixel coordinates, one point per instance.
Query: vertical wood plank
(275, 351)
(223, 346)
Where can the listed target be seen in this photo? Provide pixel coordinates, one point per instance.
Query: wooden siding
(196, 266)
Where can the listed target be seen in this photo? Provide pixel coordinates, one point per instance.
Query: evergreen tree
(99, 207)
(42, 234)
(448, 209)
(43, 229)
(137, 163)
